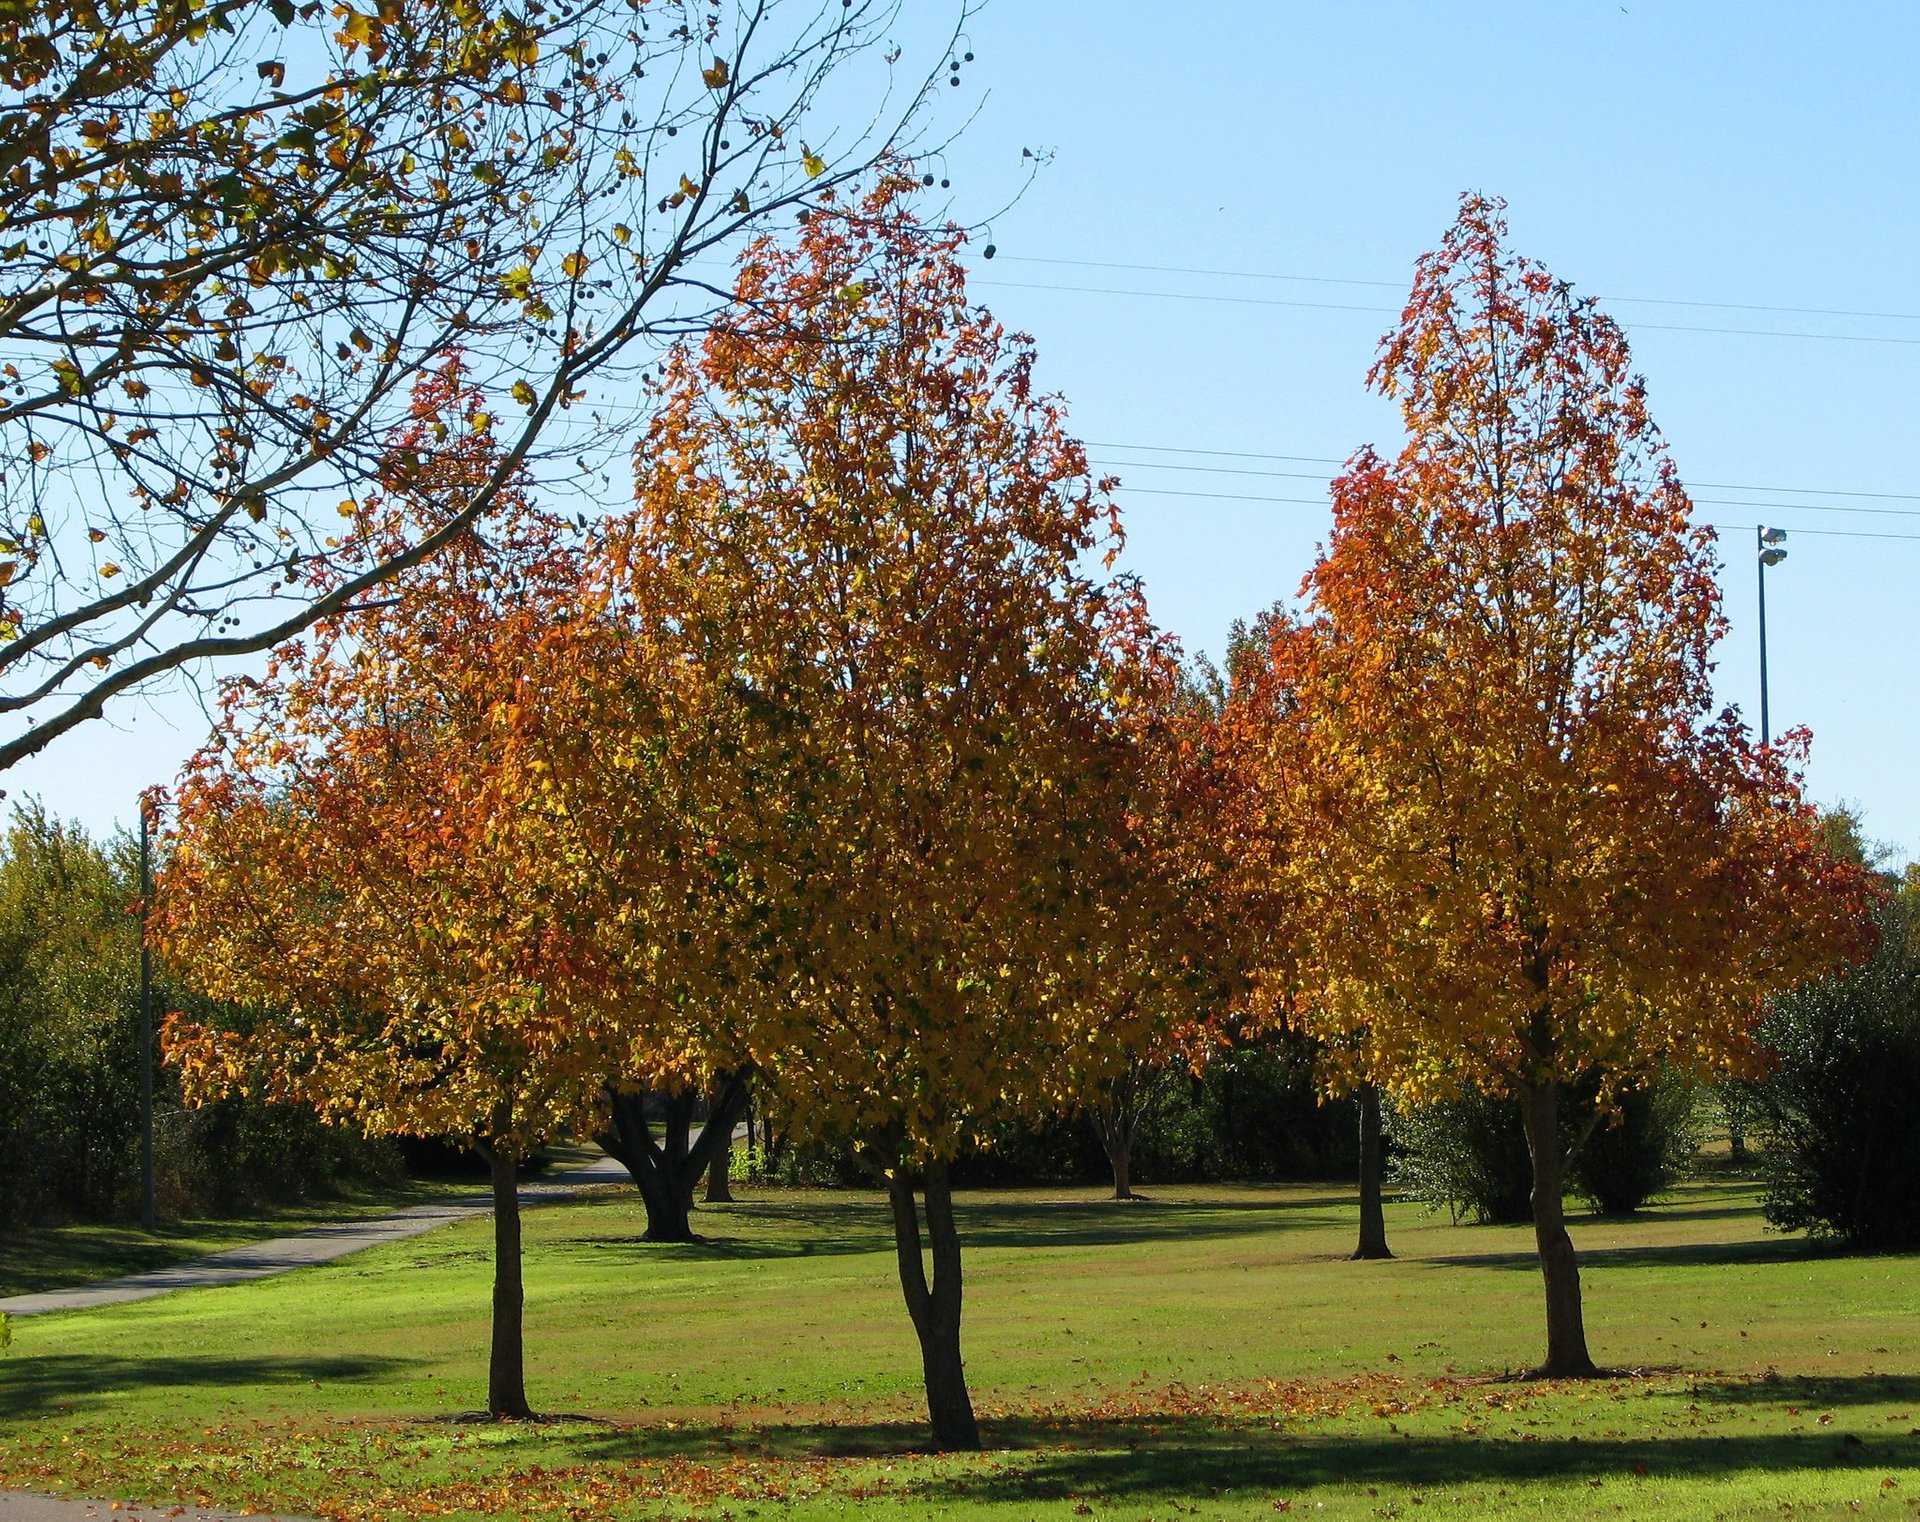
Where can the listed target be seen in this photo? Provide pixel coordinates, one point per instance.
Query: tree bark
(665, 1171)
(1121, 1157)
(506, 1371)
(1567, 1356)
(1373, 1217)
(718, 1190)
(935, 1306)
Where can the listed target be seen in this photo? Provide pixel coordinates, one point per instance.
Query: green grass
(59, 1257)
(1209, 1354)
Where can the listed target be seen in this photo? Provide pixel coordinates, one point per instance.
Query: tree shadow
(38, 1384)
(860, 1224)
(1677, 1255)
(1811, 1392)
(1154, 1455)
(1199, 1462)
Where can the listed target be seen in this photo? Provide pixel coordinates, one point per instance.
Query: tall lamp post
(1767, 552)
(146, 1022)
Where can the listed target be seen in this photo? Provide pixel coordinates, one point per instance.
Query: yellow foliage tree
(875, 538)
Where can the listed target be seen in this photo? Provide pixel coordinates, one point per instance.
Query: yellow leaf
(523, 393)
(575, 265)
(109, 569)
(814, 165)
(717, 76)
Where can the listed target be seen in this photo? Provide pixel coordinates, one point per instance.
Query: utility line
(1310, 459)
(1301, 475)
(1727, 528)
(1401, 285)
(1331, 306)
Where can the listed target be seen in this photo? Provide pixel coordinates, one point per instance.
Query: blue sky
(1693, 165)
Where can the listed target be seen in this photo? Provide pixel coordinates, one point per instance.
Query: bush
(1629, 1159)
(1838, 1112)
(1254, 1114)
(1468, 1154)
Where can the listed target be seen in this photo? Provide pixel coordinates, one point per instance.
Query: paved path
(257, 1260)
(321, 1244)
(31, 1506)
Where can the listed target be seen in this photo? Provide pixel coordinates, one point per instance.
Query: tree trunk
(665, 1171)
(935, 1308)
(1373, 1217)
(506, 1373)
(1121, 1157)
(1567, 1356)
(718, 1192)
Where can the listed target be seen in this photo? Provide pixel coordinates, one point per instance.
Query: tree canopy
(354, 853)
(1515, 845)
(881, 548)
(236, 232)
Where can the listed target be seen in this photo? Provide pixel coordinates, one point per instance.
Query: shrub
(1628, 1160)
(1468, 1154)
(1838, 1111)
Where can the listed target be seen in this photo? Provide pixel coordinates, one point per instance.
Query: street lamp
(146, 1021)
(1767, 552)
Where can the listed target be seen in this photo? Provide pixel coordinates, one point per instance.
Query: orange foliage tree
(359, 850)
(1177, 978)
(878, 543)
(1487, 791)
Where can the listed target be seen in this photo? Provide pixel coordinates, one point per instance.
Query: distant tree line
(70, 1059)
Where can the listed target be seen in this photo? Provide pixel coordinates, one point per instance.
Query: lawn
(57, 1257)
(1207, 1354)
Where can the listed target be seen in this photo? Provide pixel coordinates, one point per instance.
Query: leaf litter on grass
(358, 1472)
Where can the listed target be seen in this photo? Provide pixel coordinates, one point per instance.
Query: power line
(1401, 285)
(1309, 459)
(1725, 528)
(1331, 306)
(1301, 475)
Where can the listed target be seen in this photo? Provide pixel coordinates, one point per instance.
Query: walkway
(278, 1255)
(31, 1506)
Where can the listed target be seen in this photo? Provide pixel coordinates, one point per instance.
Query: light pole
(146, 1023)
(1767, 551)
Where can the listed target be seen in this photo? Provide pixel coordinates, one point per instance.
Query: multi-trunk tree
(236, 231)
(1515, 845)
(358, 851)
(882, 548)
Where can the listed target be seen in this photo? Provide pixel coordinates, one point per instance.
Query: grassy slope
(57, 1257)
(1210, 1350)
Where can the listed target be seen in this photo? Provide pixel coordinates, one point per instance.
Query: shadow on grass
(857, 1224)
(1155, 1456)
(1679, 1255)
(36, 1385)
(1813, 1392)
(1211, 1463)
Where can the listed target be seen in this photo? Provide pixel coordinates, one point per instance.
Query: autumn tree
(883, 547)
(237, 231)
(1178, 977)
(358, 851)
(666, 1168)
(1516, 846)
